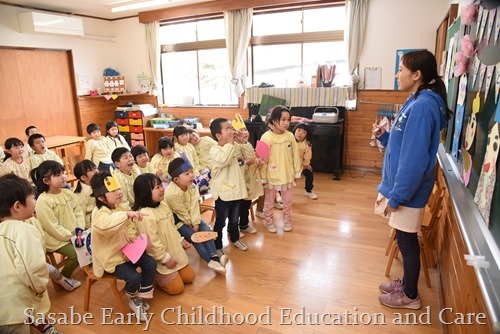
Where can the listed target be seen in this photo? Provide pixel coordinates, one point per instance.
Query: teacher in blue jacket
(409, 167)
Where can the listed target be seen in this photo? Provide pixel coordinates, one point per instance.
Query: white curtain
(357, 12)
(153, 47)
(238, 33)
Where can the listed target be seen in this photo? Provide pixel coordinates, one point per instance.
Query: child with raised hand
(40, 151)
(84, 171)
(251, 171)
(59, 212)
(141, 157)
(181, 140)
(228, 183)
(112, 228)
(165, 244)
(303, 134)
(202, 147)
(15, 161)
(113, 138)
(97, 148)
(165, 155)
(282, 167)
(126, 173)
(24, 271)
(182, 197)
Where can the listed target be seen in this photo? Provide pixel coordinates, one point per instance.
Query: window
(287, 46)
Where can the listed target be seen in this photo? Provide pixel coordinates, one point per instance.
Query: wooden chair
(91, 279)
(207, 203)
(51, 259)
(252, 209)
(69, 164)
(428, 227)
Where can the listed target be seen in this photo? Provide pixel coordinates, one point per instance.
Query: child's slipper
(203, 236)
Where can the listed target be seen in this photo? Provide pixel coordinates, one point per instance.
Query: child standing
(303, 135)
(282, 167)
(182, 197)
(165, 244)
(22, 258)
(246, 156)
(40, 151)
(112, 228)
(59, 212)
(141, 157)
(97, 148)
(15, 161)
(160, 160)
(84, 171)
(228, 185)
(202, 147)
(113, 138)
(126, 173)
(181, 139)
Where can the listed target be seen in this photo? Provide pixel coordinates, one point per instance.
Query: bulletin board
(115, 84)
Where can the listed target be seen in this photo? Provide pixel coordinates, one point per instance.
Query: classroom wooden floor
(320, 278)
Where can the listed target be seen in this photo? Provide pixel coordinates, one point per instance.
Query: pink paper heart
(135, 250)
(262, 150)
(107, 97)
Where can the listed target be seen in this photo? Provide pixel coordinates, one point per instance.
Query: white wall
(399, 24)
(392, 25)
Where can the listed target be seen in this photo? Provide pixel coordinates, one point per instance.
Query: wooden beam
(211, 7)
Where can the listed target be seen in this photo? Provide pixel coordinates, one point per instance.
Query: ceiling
(94, 8)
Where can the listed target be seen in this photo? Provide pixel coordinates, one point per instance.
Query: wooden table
(151, 136)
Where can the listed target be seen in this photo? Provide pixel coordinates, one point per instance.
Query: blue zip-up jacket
(408, 172)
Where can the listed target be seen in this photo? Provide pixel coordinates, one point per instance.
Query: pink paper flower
(468, 13)
(467, 46)
(461, 64)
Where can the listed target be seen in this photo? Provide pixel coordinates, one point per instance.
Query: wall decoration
(482, 27)
(497, 81)
(459, 117)
(486, 186)
(497, 28)
(489, 78)
(491, 23)
(470, 133)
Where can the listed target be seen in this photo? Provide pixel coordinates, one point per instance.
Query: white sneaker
(278, 205)
(242, 235)
(248, 229)
(241, 246)
(311, 195)
(259, 214)
(287, 227)
(69, 284)
(222, 257)
(137, 306)
(217, 267)
(271, 228)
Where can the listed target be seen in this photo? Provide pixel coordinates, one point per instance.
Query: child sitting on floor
(141, 157)
(160, 160)
(40, 151)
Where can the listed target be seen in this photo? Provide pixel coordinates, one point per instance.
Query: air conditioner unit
(42, 23)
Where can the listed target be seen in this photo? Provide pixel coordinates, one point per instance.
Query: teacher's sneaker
(248, 229)
(217, 266)
(388, 287)
(398, 299)
(222, 257)
(241, 246)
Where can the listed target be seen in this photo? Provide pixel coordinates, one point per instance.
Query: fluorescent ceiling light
(139, 5)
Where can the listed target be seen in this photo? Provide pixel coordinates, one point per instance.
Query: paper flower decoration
(468, 13)
(461, 64)
(467, 46)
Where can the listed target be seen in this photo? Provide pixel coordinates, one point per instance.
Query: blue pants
(134, 281)
(205, 249)
(229, 210)
(105, 167)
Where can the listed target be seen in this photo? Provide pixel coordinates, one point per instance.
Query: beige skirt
(405, 219)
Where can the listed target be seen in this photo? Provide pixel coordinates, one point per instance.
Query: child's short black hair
(216, 127)
(275, 114)
(118, 152)
(307, 129)
(143, 186)
(46, 169)
(12, 189)
(96, 183)
(111, 124)
(27, 130)
(92, 127)
(138, 150)
(33, 137)
(165, 142)
(180, 130)
(80, 169)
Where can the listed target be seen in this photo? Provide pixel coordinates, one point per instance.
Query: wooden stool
(91, 279)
